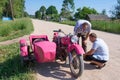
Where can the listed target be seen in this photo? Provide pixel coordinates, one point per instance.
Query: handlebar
(59, 30)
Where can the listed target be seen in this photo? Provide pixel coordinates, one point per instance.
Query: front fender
(77, 48)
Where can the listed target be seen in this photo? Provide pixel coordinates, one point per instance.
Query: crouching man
(99, 53)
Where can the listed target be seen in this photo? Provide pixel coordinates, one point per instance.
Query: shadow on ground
(57, 70)
(54, 70)
(88, 66)
(12, 67)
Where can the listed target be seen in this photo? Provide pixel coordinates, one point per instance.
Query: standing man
(99, 53)
(82, 29)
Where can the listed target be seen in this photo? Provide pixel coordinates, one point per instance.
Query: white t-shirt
(78, 27)
(101, 50)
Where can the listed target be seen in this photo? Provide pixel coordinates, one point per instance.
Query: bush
(4, 31)
(13, 29)
(19, 26)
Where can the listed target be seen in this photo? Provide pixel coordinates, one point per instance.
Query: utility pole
(11, 7)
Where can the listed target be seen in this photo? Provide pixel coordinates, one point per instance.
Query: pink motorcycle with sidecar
(63, 47)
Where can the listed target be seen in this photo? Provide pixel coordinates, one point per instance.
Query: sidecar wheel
(24, 61)
(76, 64)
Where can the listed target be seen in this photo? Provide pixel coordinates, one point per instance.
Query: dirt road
(55, 71)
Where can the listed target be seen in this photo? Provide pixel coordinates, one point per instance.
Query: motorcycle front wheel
(76, 64)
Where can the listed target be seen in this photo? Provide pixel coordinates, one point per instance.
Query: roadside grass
(10, 66)
(107, 26)
(72, 23)
(13, 29)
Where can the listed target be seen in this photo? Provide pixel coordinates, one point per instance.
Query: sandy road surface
(55, 71)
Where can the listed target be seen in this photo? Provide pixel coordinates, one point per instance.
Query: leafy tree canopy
(81, 13)
(17, 8)
(51, 10)
(43, 12)
(37, 14)
(68, 7)
(116, 11)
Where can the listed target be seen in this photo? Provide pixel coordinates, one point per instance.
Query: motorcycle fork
(70, 58)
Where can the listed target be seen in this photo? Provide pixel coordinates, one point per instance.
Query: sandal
(100, 67)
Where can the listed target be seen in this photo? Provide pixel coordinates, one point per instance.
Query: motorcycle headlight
(74, 39)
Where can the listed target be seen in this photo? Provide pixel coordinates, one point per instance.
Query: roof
(97, 17)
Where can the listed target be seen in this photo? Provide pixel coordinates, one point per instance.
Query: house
(91, 17)
(6, 18)
(61, 19)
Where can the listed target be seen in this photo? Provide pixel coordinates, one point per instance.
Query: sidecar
(42, 49)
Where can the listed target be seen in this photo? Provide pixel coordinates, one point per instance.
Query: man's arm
(90, 52)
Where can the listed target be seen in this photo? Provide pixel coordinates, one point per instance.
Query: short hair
(93, 35)
(85, 23)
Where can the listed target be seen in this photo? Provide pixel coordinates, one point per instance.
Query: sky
(31, 6)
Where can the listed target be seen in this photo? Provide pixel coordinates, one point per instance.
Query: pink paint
(45, 51)
(77, 48)
(34, 37)
(23, 48)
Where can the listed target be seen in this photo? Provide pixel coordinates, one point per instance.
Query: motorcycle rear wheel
(76, 64)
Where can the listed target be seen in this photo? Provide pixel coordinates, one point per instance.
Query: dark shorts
(91, 58)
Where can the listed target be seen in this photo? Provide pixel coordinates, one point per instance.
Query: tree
(116, 11)
(103, 12)
(17, 8)
(37, 14)
(43, 12)
(78, 14)
(7, 10)
(82, 13)
(51, 10)
(2, 5)
(26, 14)
(52, 13)
(67, 8)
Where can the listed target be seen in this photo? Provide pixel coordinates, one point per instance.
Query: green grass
(13, 29)
(107, 26)
(10, 66)
(72, 23)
